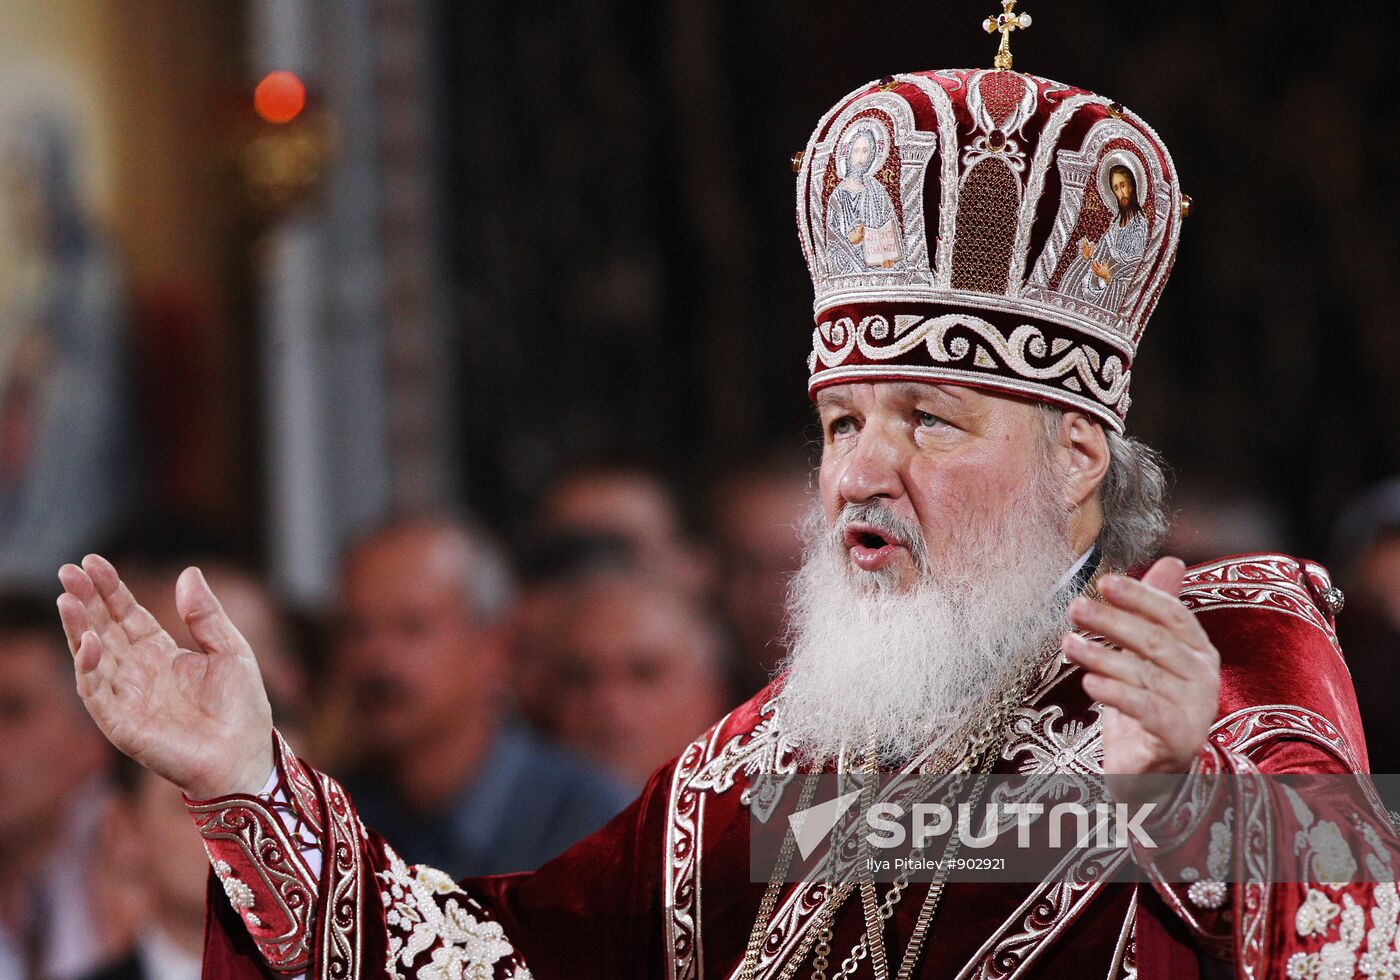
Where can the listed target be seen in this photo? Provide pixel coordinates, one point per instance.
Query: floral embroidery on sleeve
(1331, 934)
(1211, 893)
(428, 914)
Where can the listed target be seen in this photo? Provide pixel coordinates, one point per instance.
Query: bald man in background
(423, 650)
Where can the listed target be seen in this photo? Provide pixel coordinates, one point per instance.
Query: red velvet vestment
(664, 891)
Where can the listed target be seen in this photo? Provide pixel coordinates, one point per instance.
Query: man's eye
(843, 426)
(927, 420)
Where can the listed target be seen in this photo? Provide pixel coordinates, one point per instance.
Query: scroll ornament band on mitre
(1000, 350)
(986, 228)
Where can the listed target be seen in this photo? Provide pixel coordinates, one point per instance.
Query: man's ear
(1083, 450)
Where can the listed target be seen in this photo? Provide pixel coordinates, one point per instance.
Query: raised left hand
(1161, 690)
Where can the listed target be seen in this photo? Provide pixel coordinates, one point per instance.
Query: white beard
(870, 665)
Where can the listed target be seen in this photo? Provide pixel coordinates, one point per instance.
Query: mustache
(381, 690)
(902, 530)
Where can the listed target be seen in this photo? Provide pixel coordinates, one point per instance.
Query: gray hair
(1132, 497)
(489, 587)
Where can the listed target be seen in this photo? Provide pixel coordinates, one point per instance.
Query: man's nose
(375, 647)
(613, 699)
(873, 470)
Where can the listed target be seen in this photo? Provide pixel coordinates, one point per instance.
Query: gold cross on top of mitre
(1005, 22)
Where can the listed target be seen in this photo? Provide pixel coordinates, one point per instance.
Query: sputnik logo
(810, 826)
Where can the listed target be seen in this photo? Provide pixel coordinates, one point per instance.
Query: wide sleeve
(301, 887)
(1277, 855)
(1260, 853)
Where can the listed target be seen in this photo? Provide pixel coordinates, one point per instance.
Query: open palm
(1155, 673)
(1128, 746)
(200, 718)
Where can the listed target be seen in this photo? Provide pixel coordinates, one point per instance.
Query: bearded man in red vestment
(977, 594)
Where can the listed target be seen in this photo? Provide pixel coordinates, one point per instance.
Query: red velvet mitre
(946, 216)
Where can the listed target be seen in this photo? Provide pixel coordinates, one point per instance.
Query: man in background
(756, 515)
(636, 507)
(164, 878)
(550, 570)
(53, 799)
(423, 651)
(635, 672)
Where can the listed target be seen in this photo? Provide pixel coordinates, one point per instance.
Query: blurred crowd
(486, 706)
(487, 699)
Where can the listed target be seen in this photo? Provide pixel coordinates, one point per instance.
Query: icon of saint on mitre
(862, 228)
(1103, 271)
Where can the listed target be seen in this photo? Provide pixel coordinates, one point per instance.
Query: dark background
(628, 281)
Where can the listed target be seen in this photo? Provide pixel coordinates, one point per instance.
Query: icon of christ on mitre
(861, 223)
(980, 594)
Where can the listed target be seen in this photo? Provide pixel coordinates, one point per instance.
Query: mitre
(987, 228)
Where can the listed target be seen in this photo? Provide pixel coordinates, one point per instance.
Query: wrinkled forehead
(963, 399)
(630, 618)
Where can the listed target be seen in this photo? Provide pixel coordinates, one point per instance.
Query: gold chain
(775, 884)
(873, 936)
(980, 759)
(818, 940)
(874, 925)
(833, 896)
(819, 962)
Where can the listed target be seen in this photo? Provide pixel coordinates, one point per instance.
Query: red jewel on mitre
(986, 228)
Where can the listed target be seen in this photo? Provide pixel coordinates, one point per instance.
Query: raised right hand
(199, 718)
